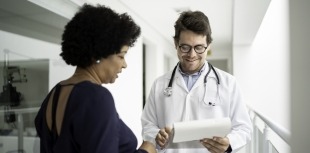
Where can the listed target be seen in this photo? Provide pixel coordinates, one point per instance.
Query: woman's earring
(98, 61)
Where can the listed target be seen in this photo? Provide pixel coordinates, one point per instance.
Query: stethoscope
(168, 90)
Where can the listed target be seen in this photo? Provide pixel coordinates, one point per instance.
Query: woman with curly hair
(79, 115)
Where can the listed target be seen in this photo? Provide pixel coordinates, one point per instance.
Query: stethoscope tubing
(168, 90)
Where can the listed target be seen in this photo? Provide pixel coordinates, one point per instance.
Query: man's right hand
(162, 137)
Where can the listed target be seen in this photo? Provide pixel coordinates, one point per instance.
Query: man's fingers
(160, 139)
(220, 140)
(213, 149)
(168, 130)
(163, 136)
(216, 144)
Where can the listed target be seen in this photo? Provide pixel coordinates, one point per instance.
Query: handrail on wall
(278, 129)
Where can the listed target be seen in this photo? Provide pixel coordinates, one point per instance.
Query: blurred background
(261, 42)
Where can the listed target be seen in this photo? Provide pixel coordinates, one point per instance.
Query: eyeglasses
(187, 48)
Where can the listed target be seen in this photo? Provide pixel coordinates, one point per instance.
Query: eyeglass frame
(191, 47)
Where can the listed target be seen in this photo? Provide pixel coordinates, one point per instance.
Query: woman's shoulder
(90, 93)
(89, 87)
(89, 96)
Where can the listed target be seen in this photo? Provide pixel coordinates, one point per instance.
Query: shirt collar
(196, 73)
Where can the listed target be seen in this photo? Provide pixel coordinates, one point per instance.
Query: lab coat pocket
(210, 107)
(211, 99)
(210, 102)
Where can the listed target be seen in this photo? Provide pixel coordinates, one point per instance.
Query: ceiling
(26, 18)
(232, 21)
(163, 13)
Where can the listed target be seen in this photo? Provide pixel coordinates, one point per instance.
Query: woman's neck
(83, 74)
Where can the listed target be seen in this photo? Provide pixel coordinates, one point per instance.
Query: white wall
(262, 68)
(300, 71)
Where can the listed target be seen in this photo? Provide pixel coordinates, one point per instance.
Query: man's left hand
(216, 145)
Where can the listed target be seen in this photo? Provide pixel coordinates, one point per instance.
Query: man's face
(191, 61)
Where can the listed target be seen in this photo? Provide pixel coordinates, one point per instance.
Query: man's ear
(208, 50)
(175, 44)
(209, 46)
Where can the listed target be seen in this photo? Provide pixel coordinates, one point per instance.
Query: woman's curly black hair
(96, 32)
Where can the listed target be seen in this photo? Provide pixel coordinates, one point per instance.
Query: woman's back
(90, 123)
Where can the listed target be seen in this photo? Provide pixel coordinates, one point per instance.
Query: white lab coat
(183, 105)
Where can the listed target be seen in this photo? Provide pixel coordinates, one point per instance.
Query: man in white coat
(198, 91)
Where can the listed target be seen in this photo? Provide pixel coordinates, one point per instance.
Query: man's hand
(216, 145)
(162, 138)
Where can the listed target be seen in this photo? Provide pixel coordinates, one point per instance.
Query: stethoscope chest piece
(168, 91)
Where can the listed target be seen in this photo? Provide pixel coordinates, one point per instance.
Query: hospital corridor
(262, 44)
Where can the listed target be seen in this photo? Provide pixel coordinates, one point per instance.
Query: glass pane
(24, 85)
(19, 135)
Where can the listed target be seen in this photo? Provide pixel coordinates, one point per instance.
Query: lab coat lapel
(179, 80)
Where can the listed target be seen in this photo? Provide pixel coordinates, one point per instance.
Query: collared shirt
(190, 79)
